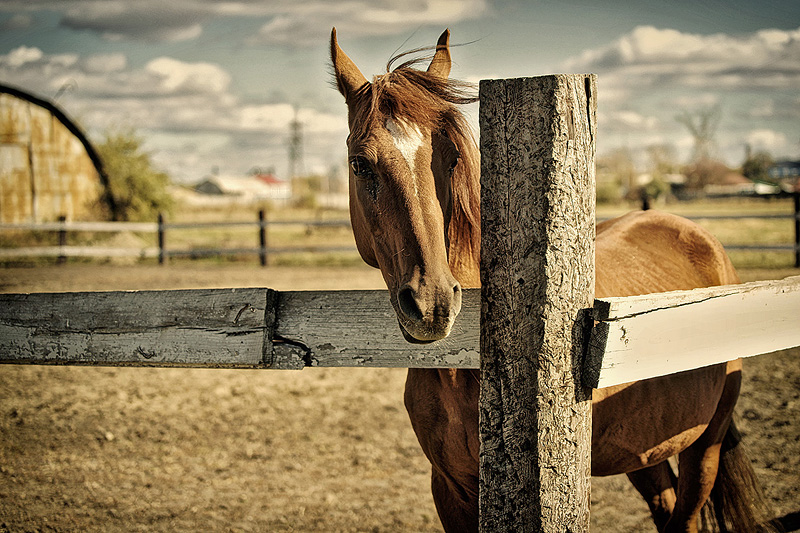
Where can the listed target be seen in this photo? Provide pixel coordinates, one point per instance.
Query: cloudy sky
(216, 83)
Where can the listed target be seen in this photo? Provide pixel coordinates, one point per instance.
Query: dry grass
(113, 449)
(137, 449)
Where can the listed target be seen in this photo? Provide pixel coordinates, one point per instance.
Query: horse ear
(348, 78)
(440, 64)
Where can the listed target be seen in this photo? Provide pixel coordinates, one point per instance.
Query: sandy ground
(141, 449)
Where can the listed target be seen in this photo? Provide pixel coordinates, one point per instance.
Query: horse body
(414, 203)
(636, 425)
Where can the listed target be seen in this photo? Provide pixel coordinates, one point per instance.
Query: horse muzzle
(427, 311)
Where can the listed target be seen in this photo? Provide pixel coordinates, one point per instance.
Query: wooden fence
(161, 228)
(62, 251)
(535, 306)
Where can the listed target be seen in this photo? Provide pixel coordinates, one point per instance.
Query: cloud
(287, 22)
(191, 117)
(180, 77)
(22, 55)
(308, 23)
(649, 75)
(143, 20)
(105, 63)
(651, 56)
(20, 21)
(766, 139)
(630, 121)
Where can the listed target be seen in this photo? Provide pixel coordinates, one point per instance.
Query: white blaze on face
(408, 140)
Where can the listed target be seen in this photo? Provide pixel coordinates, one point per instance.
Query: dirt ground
(142, 449)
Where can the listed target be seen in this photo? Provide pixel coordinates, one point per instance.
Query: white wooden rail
(640, 337)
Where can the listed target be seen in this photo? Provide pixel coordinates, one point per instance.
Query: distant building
(48, 168)
(279, 189)
(786, 174)
(252, 188)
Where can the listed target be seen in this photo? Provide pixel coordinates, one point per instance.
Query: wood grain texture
(227, 327)
(641, 337)
(359, 328)
(537, 274)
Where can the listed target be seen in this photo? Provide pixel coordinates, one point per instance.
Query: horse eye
(361, 167)
(454, 163)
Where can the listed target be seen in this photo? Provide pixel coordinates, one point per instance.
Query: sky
(213, 85)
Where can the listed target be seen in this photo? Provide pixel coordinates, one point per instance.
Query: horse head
(406, 143)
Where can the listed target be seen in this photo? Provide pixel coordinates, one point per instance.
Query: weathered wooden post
(62, 239)
(796, 201)
(537, 273)
(162, 253)
(262, 237)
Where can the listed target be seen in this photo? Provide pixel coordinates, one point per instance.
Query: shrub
(136, 190)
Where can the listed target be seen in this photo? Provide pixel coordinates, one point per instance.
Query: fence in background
(62, 251)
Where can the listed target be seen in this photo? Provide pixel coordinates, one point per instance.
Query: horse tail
(737, 502)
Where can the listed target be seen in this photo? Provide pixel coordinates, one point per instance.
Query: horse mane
(416, 96)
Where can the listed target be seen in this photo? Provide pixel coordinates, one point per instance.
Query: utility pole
(296, 166)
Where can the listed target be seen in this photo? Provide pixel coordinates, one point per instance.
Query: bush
(136, 190)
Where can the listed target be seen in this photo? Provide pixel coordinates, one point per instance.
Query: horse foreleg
(457, 511)
(657, 486)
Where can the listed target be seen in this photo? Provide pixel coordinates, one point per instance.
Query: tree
(136, 190)
(702, 124)
(663, 160)
(705, 172)
(616, 175)
(756, 166)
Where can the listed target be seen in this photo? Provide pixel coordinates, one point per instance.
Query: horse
(415, 210)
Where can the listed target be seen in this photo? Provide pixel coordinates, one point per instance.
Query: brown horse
(415, 211)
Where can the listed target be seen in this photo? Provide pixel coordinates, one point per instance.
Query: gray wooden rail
(531, 323)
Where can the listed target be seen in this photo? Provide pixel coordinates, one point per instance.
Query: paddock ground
(137, 449)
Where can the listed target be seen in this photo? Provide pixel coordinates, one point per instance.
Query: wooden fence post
(262, 237)
(796, 199)
(161, 244)
(537, 274)
(62, 239)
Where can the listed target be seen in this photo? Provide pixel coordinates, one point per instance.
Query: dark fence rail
(161, 228)
(770, 247)
(264, 251)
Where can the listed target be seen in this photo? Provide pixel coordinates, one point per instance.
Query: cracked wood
(641, 337)
(231, 328)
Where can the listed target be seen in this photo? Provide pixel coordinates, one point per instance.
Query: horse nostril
(456, 306)
(408, 303)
